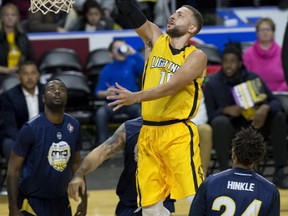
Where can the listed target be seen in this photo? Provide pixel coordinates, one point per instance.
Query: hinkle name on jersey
(241, 186)
(158, 62)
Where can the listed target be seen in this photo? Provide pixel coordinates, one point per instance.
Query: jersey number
(165, 76)
(230, 206)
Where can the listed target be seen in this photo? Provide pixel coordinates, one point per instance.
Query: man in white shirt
(19, 104)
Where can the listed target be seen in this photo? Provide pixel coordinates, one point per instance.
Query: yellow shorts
(168, 162)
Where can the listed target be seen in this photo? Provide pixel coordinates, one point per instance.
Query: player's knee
(156, 210)
(205, 129)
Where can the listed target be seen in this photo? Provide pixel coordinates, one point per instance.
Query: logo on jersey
(58, 155)
(158, 62)
(70, 127)
(59, 135)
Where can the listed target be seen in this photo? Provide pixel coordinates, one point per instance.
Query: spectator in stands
(20, 103)
(76, 13)
(227, 118)
(284, 53)
(93, 18)
(14, 43)
(50, 22)
(108, 6)
(263, 57)
(126, 69)
(23, 6)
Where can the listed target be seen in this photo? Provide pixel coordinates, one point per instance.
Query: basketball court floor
(102, 198)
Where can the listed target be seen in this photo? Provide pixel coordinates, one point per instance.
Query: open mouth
(170, 23)
(57, 99)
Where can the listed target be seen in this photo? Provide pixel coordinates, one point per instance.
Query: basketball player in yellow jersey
(168, 145)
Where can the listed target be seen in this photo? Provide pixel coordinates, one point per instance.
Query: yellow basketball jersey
(159, 68)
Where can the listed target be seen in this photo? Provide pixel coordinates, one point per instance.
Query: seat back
(9, 81)
(98, 58)
(59, 59)
(212, 53)
(283, 98)
(96, 61)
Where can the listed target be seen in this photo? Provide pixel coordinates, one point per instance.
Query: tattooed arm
(94, 159)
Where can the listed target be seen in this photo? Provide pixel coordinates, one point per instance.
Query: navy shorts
(42, 207)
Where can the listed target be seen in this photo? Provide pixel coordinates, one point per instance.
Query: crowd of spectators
(157, 11)
(261, 61)
(227, 117)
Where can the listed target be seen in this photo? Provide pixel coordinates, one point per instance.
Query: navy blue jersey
(236, 192)
(48, 150)
(126, 188)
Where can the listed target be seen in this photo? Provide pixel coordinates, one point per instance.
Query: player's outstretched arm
(148, 31)
(94, 159)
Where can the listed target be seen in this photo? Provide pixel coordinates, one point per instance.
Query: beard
(56, 106)
(175, 32)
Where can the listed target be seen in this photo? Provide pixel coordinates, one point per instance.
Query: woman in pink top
(264, 57)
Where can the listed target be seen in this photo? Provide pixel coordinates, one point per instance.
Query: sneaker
(3, 191)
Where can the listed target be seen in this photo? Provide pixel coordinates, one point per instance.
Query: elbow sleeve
(130, 10)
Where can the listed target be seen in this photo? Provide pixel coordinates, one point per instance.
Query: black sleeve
(199, 204)
(285, 53)
(274, 209)
(132, 12)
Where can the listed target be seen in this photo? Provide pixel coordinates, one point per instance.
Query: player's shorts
(168, 162)
(35, 206)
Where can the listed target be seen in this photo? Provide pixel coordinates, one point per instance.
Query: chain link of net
(54, 6)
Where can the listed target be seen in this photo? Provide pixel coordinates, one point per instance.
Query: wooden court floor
(103, 202)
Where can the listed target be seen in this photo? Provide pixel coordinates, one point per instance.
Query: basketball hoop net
(54, 6)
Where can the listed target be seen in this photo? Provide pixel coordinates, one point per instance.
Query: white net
(54, 6)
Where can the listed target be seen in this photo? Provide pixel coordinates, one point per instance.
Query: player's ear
(192, 29)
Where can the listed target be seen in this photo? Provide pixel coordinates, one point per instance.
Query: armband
(132, 12)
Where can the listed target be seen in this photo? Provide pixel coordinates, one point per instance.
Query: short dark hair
(234, 48)
(110, 47)
(249, 146)
(52, 79)
(91, 4)
(198, 17)
(25, 63)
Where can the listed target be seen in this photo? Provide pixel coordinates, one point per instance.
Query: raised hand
(122, 97)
